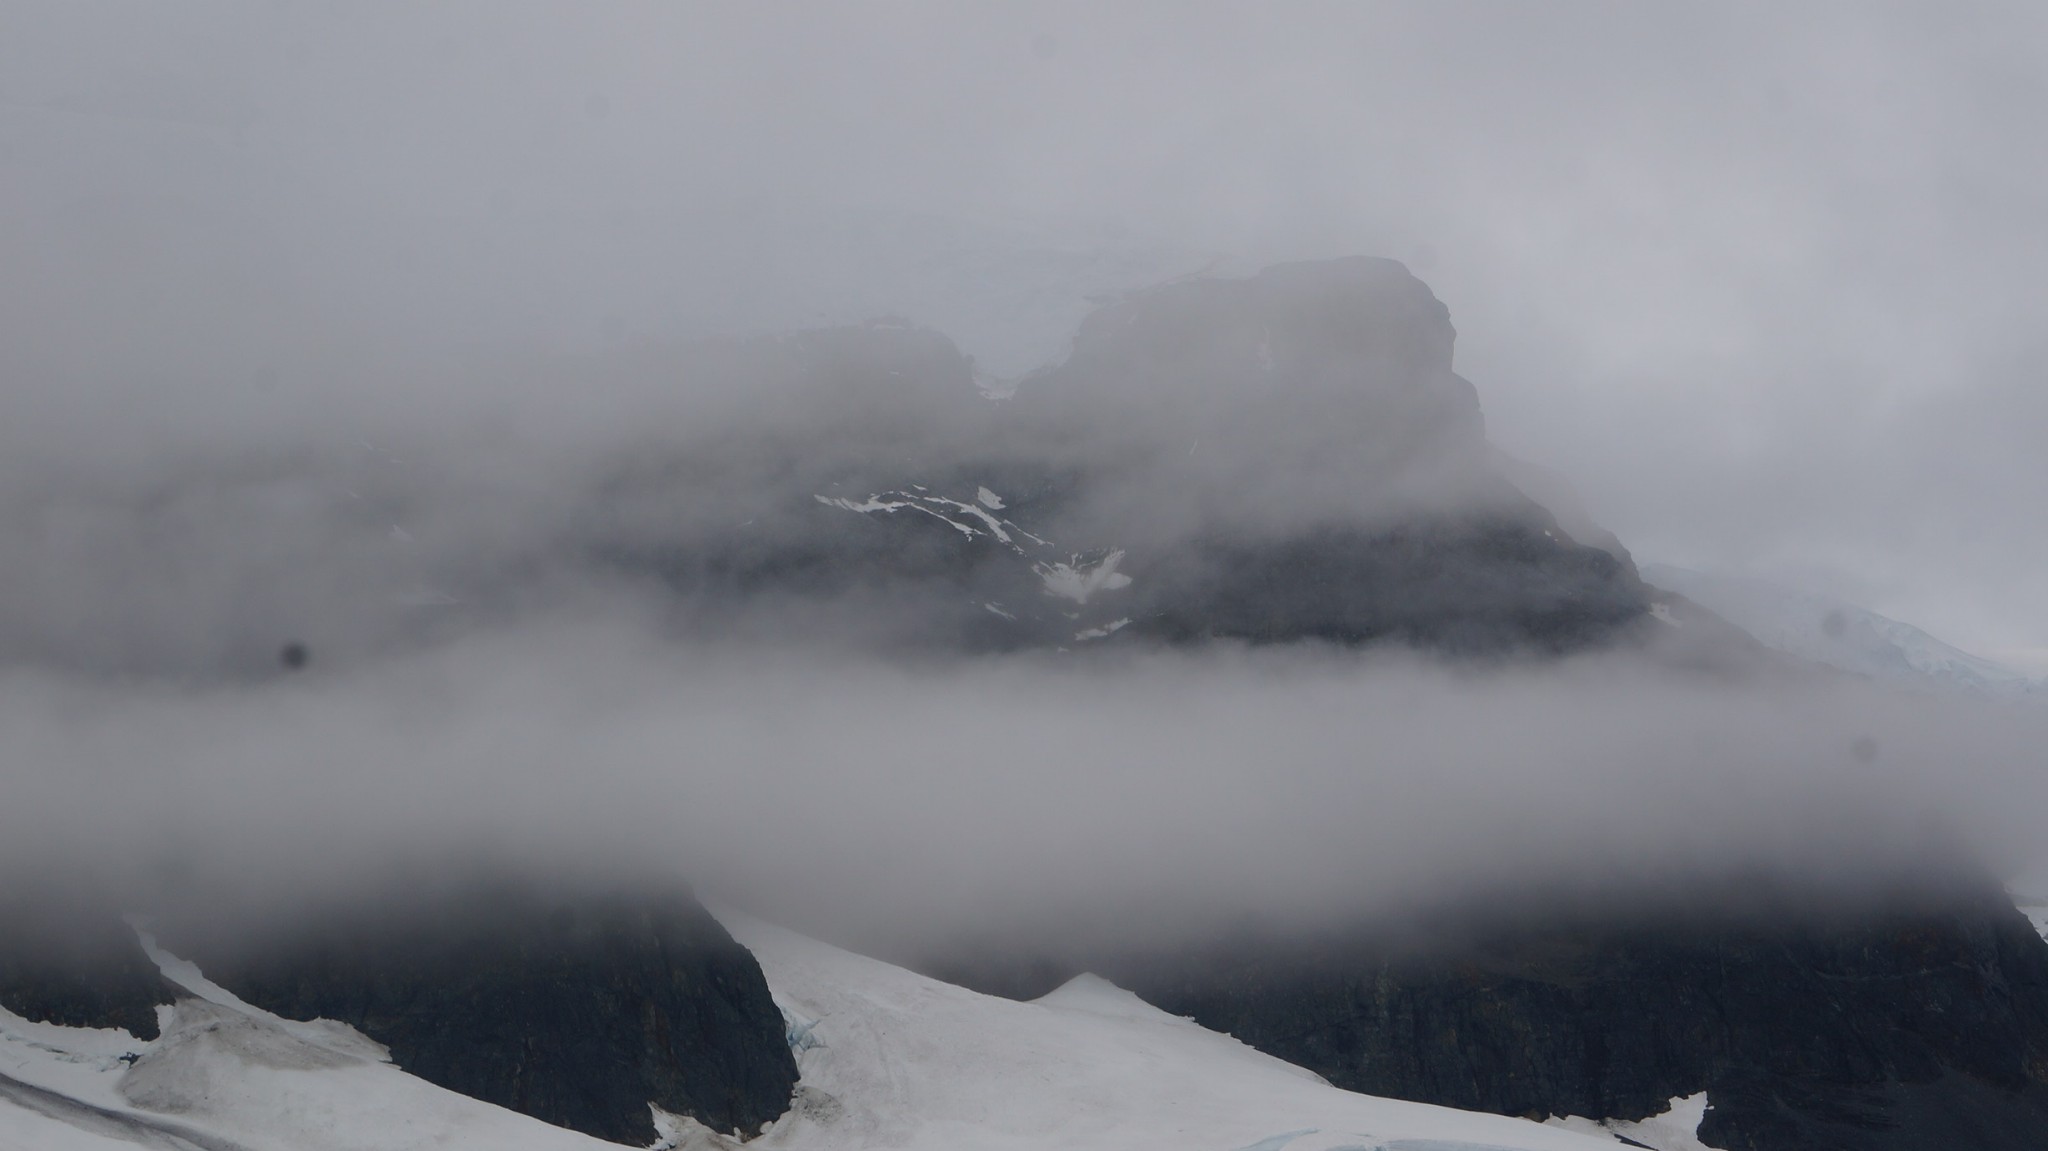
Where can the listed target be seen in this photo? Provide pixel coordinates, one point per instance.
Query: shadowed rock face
(1915, 1023)
(1463, 586)
(577, 1011)
(73, 962)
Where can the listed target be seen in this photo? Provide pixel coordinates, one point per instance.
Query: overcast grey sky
(1764, 281)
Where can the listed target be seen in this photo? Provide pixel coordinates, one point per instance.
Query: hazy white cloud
(1163, 788)
(278, 280)
(1760, 279)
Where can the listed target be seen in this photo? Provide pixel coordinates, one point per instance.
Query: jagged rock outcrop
(577, 1010)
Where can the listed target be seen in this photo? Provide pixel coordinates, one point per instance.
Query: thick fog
(354, 334)
(1760, 280)
(843, 793)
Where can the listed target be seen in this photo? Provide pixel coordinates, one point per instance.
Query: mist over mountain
(1020, 576)
(1841, 635)
(1229, 638)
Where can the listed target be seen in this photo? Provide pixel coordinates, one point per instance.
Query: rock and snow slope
(229, 1078)
(1844, 636)
(889, 1058)
(897, 1060)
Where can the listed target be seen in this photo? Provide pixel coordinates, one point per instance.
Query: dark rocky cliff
(577, 1010)
(1922, 1026)
(1913, 1020)
(67, 958)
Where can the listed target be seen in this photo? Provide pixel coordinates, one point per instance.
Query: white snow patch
(997, 609)
(877, 503)
(930, 505)
(1662, 612)
(870, 504)
(989, 499)
(1098, 996)
(2026, 896)
(1077, 581)
(683, 1133)
(1676, 1128)
(246, 1079)
(914, 1064)
(995, 526)
(324, 1033)
(223, 1074)
(79, 1062)
(219, 1077)
(1105, 629)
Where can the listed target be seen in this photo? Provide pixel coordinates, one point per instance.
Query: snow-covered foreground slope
(226, 1077)
(890, 1059)
(897, 1060)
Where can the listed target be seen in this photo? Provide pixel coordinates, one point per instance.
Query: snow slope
(896, 1060)
(1842, 635)
(226, 1077)
(1677, 1129)
(890, 1059)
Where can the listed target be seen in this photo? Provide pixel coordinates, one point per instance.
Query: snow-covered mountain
(896, 1060)
(1842, 635)
(889, 1059)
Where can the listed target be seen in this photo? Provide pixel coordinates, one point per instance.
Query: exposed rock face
(73, 962)
(1277, 458)
(1475, 586)
(1920, 1023)
(578, 1011)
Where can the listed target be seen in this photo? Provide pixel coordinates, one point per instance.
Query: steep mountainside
(1912, 1022)
(67, 958)
(1283, 457)
(1900, 1027)
(579, 1010)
